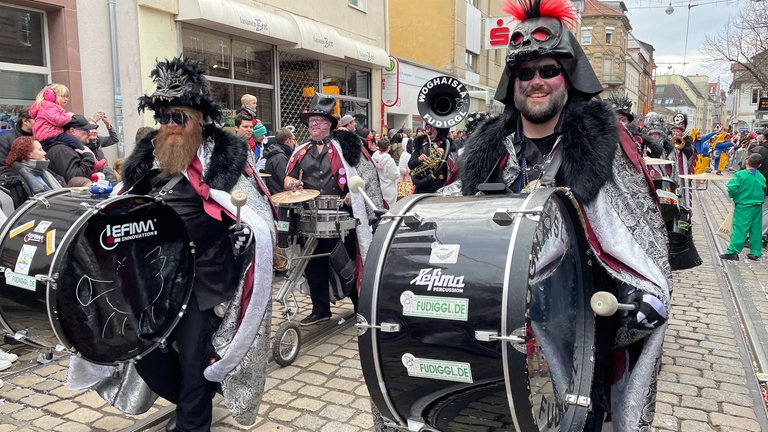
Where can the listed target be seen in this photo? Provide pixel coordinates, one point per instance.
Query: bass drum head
(491, 298)
(124, 278)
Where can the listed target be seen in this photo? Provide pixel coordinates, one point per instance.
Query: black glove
(241, 238)
(650, 312)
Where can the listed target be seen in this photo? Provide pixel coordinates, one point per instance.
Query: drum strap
(171, 183)
(552, 165)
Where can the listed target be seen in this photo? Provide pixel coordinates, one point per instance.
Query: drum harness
(550, 166)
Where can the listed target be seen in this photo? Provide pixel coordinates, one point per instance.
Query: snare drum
(326, 223)
(288, 216)
(474, 311)
(106, 278)
(666, 190)
(326, 202)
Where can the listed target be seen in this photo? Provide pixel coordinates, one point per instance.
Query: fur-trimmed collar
(229, 153)
(589, 144)
(351, 145)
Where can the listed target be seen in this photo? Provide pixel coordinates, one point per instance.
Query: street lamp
(669, 10)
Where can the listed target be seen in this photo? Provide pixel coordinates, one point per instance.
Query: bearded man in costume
(554, 133)
(325, 163)
(221, 341)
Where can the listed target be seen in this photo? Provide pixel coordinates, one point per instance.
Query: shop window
(345, 80)
(234, 67)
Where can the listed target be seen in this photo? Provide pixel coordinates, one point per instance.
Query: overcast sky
(666, 33)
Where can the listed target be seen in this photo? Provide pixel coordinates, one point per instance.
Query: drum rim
(15, 216)
(368, 341)
(58, 256)
(517, 391)
(377, 377)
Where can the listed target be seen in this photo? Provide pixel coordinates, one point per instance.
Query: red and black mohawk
(522, 10)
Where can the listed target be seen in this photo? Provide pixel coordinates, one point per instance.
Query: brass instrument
(679, 142)
(429, 166)
(443, 102)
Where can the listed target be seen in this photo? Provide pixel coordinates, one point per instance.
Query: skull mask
(534, 38)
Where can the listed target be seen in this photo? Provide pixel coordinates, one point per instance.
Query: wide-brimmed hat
(180, 82)
(322, 105)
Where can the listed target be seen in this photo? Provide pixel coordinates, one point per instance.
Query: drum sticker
(434, 307)
(435, 280)
(21, 228)
(50, 242)
(25, 259)
(114, 234)
(42, 226)
(19, 280)
(444, 253)
(444, 370)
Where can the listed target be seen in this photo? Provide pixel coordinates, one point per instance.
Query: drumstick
(238, 199)
(301, 174)
(604, 303)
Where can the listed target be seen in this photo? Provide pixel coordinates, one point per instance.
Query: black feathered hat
(541, 32)
(180, 82)
(622, 105)
(322, 105)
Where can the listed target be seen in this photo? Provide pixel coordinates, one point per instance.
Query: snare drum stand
(287, 342)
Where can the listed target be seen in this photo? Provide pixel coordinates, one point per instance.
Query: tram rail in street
(737, 288)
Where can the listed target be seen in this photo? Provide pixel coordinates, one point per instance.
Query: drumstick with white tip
(238, 199)
(357, 185)
(604, 303)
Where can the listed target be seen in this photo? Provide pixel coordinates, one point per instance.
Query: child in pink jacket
(50, 117)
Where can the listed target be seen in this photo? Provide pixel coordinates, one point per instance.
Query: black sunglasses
(545, 72)
(178, 117)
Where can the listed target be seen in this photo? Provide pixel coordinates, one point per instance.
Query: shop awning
(236, 18)
(365, 53)
(316, 37)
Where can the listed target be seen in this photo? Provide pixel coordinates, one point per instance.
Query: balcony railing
(612, 79)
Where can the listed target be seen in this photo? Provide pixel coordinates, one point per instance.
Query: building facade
(439, 37)
(281, 52)
(604, 37)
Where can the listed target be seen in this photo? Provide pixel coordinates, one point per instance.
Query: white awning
(316, 37)
(236, 18)
(365, 53)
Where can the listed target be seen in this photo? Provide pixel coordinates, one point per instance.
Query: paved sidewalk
(706, 384)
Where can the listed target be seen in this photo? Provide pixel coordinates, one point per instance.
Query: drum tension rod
(506, 217)
(517, 338)
(385, 327)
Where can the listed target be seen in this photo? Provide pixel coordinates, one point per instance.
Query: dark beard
(174, 152)
(539, 117)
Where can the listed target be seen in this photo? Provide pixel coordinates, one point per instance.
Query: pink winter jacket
(50, 119)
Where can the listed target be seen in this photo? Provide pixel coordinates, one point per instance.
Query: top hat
(322, 105)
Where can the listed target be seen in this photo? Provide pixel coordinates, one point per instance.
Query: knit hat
(259, 130)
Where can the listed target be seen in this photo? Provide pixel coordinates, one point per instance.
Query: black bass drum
(474, 314)
(106, 278)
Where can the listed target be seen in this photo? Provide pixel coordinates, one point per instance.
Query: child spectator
(747, 188)
(388, 172)
(50, 117)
